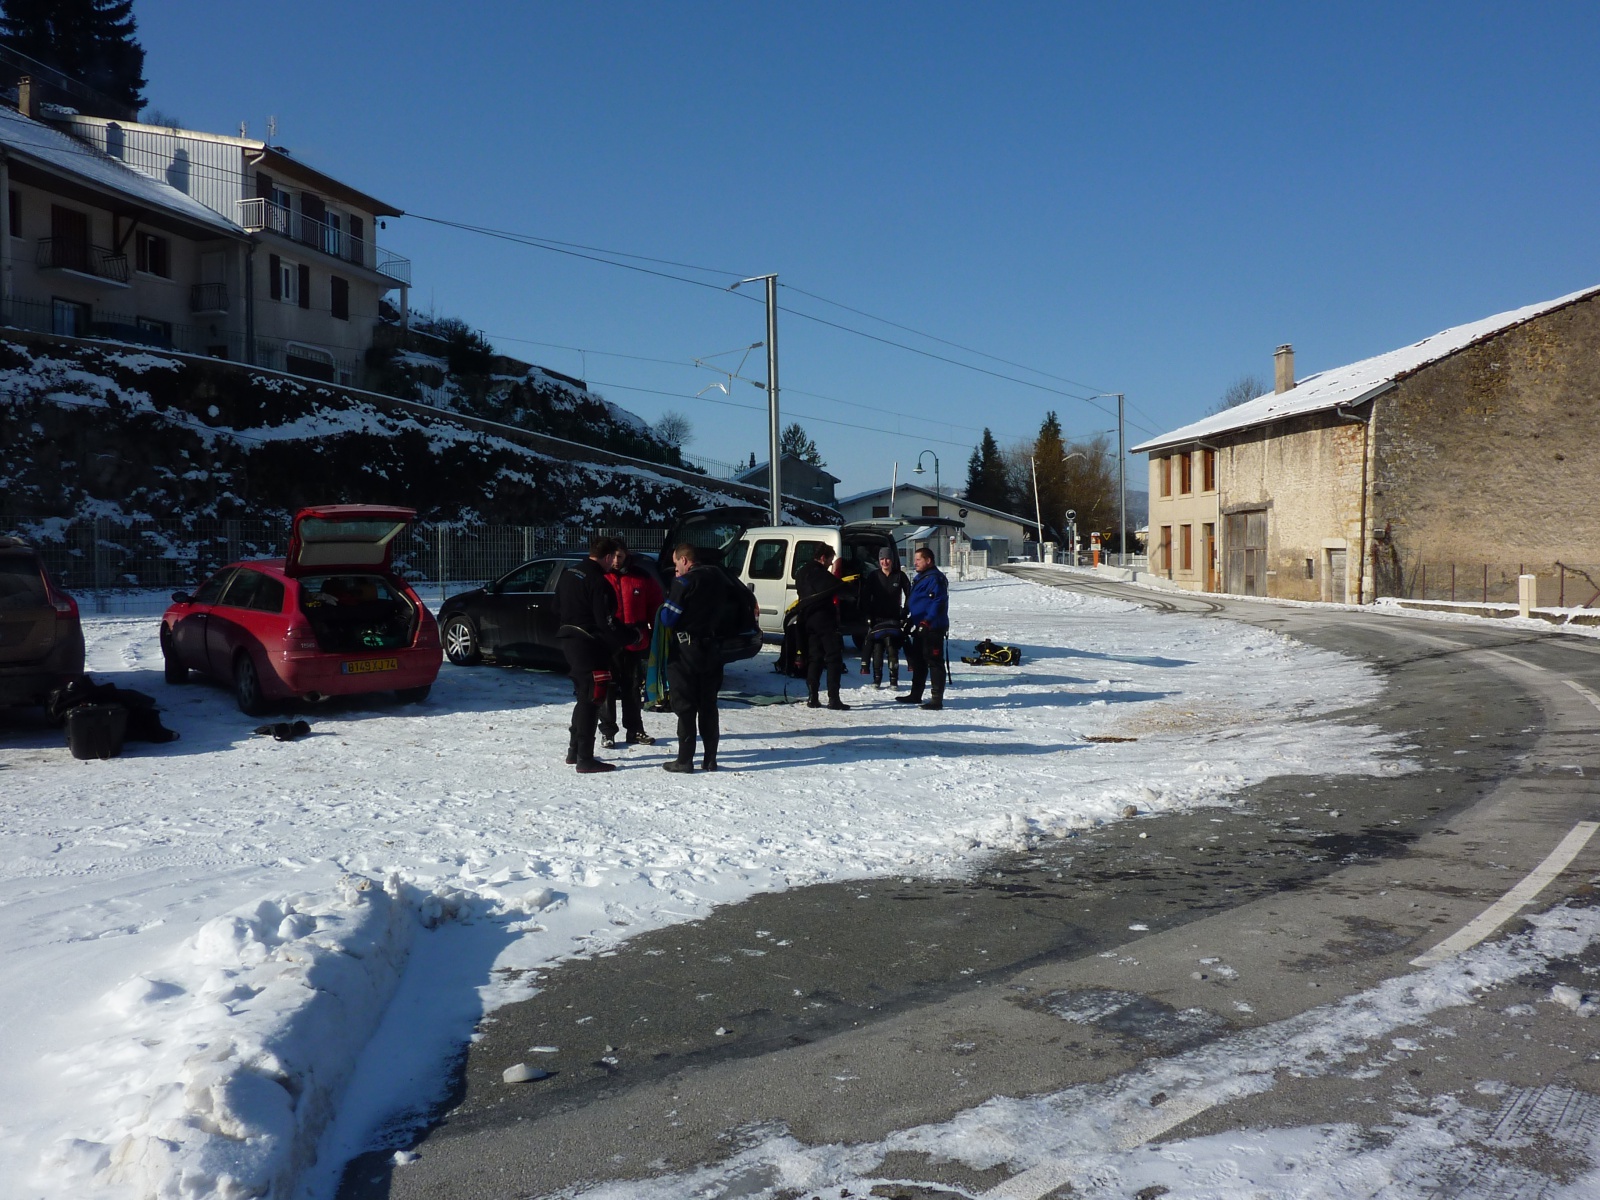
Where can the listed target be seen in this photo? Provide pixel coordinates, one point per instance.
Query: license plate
(365, 666)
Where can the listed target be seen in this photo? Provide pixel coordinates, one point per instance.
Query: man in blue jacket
(929, 617)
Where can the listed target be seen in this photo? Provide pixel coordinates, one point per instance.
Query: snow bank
(223, 1067)
(234, 1023)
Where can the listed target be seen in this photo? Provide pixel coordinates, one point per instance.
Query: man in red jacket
(639, 596)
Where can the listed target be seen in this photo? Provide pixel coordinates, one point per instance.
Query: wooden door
(1245, 538)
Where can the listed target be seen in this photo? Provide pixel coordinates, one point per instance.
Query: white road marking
(1514, 660)
(1046, 1177)
(1502, 910)
(1584, 692)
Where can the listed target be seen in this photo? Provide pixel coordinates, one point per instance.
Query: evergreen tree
(987, 482)
(1050, 468)
(793, 440)
(91, 40)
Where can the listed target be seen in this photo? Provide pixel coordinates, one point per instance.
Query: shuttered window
(341, 298)
(304, 285)
(15, 215)
(275, 277)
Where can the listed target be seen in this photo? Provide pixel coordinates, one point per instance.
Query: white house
(999, 533)
(200, 242)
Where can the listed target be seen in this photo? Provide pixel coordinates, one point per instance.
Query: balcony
(259, 214)
(208, 298)
(81, 258)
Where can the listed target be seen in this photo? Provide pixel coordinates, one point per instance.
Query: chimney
(27, 98)
(1283, 369)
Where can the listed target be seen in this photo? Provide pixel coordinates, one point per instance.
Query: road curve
(905, 1003)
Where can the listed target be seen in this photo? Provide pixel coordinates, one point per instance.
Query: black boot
(812, 701)
(837, 704)
(678, 766)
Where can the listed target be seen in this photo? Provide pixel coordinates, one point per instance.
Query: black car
(513, 620)
(41, 637)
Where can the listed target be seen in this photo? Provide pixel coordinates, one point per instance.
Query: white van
(766, 558)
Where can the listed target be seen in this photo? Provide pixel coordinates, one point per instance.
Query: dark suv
(41, 638)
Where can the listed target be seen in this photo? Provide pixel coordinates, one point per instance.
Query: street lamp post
(774, 467)
(1122, 478)
(938, 493)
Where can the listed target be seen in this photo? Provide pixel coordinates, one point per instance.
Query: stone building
(1476, 446)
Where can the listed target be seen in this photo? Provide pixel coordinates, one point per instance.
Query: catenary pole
(774, 465)
(775, 471)
(1122, 491)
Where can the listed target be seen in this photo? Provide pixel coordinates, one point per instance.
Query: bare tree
(674, 429)
(1242, 390)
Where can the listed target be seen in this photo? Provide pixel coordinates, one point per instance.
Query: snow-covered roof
(1352, 384)
(34, 142)
(947, 498)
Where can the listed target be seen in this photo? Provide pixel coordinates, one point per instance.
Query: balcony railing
(393, 265)
(258, 213)
(208, 297)
(69, 254)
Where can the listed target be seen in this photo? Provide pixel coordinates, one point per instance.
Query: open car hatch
(345, 537)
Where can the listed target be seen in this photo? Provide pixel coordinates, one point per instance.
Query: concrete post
(1527, 594)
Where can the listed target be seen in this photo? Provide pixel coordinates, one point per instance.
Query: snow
(1352, 384)
(202, 937)
(34, 141)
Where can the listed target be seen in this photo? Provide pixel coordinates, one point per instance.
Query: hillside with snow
(131, 434)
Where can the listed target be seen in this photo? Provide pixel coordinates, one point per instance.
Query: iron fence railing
(70, 254)
(1560, 584)
(42, 316)
(97, 558)
(208, 297)
(258, 213)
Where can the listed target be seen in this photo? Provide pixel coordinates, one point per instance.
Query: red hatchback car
(331, 618)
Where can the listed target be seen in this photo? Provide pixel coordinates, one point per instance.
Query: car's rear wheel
(461, 643)
(247, 687)
(174, 670)
(414, 695)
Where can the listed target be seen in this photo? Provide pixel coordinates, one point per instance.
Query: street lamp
(1122, 478)
(937, 492)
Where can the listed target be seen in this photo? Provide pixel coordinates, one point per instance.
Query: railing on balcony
(70, 254)
(208, 297)
(258, 213)
(393, 265)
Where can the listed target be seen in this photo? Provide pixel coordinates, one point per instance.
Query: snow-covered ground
(201, 938)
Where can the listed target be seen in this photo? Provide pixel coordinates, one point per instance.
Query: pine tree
(793, 440)
(987, 483)
(91, 40)
(1050, 468)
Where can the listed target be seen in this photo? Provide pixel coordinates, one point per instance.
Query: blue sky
(1136, 198)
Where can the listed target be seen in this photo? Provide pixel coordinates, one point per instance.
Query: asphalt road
(875, 1007)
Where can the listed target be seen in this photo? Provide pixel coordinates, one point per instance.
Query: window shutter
(305, 286)
(15, 214)
(358, 234)
(263, 185)
(341, 298)
(275, 277)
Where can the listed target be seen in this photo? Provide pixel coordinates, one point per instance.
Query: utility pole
(774, 466)
(1122, 491)
(1038, 514)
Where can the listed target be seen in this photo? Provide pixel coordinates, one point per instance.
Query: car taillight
(66, 607)
(300, 637)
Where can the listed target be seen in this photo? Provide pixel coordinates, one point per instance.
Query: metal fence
(1561, 584)
(102, 557)
(209, 341)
